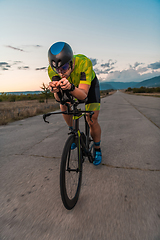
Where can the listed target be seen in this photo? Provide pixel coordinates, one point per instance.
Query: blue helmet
(59, 54)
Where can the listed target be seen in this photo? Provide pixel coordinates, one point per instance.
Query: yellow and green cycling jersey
(82, 73)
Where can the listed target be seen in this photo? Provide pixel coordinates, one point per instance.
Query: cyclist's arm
(85, 80)
(81, 92)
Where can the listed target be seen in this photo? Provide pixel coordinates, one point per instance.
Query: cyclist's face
(65, 74)
(63, 68)
(64, 71)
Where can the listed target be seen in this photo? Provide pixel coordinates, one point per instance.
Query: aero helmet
(59, 54)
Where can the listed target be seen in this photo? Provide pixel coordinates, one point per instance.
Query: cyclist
(75, 74)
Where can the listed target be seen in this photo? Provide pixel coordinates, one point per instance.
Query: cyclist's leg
(95, 129)
(93, 104)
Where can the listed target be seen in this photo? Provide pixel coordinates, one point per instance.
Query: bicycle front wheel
(70, 173)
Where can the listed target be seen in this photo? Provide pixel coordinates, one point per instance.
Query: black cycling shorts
(93, 102)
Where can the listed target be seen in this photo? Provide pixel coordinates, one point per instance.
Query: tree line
(41, 97)
(144, 90)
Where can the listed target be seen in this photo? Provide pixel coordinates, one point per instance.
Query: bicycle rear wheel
(70, 173)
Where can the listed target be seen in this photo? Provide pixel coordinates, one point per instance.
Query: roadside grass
(147, 94)
(144, 91)
(107, 93)
(143, 94)
(13, 111)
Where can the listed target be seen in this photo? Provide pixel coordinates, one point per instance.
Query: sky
(121, 37)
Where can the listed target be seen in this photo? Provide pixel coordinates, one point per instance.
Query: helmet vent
(59, 64)
(54, 64)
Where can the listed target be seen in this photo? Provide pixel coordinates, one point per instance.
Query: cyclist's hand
(54, 86)
(64, 84)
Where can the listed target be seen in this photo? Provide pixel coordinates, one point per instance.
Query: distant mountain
(152, 82)
(105, 86)
(116, 85)
(122, 85)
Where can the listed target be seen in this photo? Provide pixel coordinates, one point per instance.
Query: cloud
(105, 68)
(94, 61)
(142, 70)
(24, 48)
(4, 69)
(37, 46)
(101, 71)
(121, 76)
(42, 68)
(129, 75)
(7, 66)
(23, 68)
(155, 65)
(16, 62)
(107, 72)
(4, 66)
(32, 46)
(104, 65)
(137, 64)
(109, 64)
(14, 48)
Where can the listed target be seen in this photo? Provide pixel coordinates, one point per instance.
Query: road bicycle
(77, 148)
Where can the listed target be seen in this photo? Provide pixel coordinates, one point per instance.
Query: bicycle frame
(78, 134)
(77, 114)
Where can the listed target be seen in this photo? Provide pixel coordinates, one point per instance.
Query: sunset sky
(122, 38)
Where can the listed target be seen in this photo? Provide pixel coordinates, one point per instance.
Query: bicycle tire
(90, 144)
(70, 170)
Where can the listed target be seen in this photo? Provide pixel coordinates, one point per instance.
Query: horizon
(122, 47)
(100, 83)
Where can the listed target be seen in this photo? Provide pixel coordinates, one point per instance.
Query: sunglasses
(63, 68)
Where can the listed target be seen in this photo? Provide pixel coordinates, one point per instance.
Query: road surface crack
(131, 168)
(36, 155)
(49, 135)
(103, 164)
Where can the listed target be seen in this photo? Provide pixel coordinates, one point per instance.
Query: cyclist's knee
(94, 120)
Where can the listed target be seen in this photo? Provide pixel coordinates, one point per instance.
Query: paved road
(119, 200)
